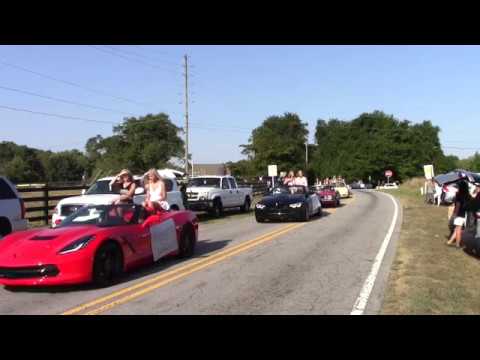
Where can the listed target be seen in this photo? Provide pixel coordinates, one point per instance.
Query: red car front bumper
(68, 270)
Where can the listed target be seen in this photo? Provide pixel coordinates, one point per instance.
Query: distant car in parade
(95, 244)
(288, 203)
(328, 195)
(342, 189)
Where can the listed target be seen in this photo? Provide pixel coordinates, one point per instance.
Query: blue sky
(234, 88)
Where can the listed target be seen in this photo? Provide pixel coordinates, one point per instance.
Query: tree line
(137, 144)
(359, 149)
(362, 148)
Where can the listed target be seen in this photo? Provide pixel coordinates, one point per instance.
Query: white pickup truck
(215, 193)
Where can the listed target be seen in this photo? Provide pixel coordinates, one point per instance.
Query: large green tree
(138, 144)
(279, 140)
(374, 142)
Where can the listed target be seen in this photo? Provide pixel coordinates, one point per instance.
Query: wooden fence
(40, 198)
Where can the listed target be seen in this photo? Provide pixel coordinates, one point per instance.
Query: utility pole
(306, 155)
(185, 58)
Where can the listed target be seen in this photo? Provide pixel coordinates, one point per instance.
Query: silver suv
(12, 209)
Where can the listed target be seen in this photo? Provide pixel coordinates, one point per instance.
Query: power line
(132, 59)
(71, 83)
(140, 55)
(64, 101)
(55, 115)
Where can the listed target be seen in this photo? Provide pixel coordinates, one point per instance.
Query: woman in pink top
(300, 180)
(289, 179)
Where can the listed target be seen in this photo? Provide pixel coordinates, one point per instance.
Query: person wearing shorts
(459, 214)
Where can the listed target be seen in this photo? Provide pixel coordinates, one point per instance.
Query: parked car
(216, 193)
(389, 186)
(327, 195)
(12, 209)
(342, 189)
(96, 244)
(288, 203)
(100, 193)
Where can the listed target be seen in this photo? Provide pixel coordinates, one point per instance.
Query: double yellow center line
(128, 294)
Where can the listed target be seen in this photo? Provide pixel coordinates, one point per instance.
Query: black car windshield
(102, 187)
(103, 215)
(204, 182)
(289, 190)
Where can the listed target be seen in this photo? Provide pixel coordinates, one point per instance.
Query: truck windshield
(204, 182)
(102, 187)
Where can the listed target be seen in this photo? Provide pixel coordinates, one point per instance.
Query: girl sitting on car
(156, 195)
(127, 187)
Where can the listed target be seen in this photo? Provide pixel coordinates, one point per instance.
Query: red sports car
(328, 195)
(97, 243)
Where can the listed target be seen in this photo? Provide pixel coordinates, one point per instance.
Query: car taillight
(58, 221)
(22, 207)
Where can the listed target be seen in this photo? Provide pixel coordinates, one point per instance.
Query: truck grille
(192, 195)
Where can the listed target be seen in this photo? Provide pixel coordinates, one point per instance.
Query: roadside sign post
(388, 175)
(272, 171)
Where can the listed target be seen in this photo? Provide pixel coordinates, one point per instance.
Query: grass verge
(427, 277)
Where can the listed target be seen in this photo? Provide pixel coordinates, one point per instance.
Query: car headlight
(77, 245)
(260, 206)
(296, 205)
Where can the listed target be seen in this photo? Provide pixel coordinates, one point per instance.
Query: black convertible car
(288, 203)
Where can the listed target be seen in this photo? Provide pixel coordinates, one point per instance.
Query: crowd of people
(329, 181)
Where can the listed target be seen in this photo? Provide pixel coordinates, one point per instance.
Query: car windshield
(327, 187)
(102, 187)
(103, 215)
(340, 184)
(204, 182)
(288, 190)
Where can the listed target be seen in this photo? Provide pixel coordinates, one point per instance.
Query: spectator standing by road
(459, 214)
(300, 179)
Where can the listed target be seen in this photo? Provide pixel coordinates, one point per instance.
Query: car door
(228, 199)
(237, 195)
(163, 235)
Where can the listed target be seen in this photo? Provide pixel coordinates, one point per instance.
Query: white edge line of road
(362, 300)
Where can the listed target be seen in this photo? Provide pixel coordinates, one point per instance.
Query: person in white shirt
(300, 180)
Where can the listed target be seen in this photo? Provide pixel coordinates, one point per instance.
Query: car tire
(306, 215)
(5, 227)
(259, 219)
(246, 205)
(108, 264)
(217, 210)
(186, 245)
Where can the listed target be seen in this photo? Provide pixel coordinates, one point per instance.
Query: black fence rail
(44, 197)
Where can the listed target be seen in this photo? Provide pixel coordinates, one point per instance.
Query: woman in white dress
(156, 195)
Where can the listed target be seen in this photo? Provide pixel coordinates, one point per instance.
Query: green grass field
(427, 277)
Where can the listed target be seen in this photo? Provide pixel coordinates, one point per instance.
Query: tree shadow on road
(203, 249)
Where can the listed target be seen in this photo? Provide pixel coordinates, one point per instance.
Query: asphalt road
(242, 267)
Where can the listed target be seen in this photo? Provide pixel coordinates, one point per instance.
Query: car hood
(99, 199)
(36, 246)
(282, 199)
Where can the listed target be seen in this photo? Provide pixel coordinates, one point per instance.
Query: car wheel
(259, 219)
(5, 227)
(108, 264)
(306, 215)
(246, 205)
(217, 210)
(186, 245)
